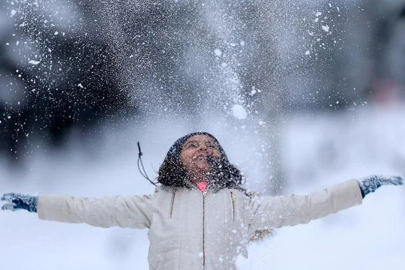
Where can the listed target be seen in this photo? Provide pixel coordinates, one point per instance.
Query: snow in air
(218, 52)
(239, 112)
(34, 62)
(325, 28)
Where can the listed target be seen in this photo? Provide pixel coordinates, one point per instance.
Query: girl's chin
(202, 169)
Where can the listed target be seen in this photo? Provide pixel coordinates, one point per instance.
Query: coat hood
(173, 173)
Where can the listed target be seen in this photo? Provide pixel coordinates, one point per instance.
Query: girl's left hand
(371, 183)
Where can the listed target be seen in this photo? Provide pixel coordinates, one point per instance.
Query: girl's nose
(203, 147)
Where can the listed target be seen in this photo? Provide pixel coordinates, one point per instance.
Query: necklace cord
(141, 168)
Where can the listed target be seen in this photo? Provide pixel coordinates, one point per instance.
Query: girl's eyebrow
(189, 142)
(207, 142)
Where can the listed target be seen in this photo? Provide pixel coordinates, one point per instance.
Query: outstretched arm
(274, 212)
(123, 211)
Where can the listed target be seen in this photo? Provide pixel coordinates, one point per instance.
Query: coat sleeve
(275, 212)
(122, 211)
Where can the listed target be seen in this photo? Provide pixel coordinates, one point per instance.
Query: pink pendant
(202, 186)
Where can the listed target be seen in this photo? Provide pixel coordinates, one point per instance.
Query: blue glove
(370, 183)
(18, 201)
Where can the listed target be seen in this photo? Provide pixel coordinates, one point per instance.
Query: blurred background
(301, 94)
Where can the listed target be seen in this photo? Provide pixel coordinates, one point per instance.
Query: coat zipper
(172, 203)
(203, 229)
(233, 199)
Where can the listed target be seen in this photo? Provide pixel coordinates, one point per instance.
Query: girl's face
(195, 153)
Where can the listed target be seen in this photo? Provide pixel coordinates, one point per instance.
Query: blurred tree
(69, 80)
(387, 83)
(376, 63)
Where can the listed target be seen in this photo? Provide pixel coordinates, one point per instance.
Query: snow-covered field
(318, 150)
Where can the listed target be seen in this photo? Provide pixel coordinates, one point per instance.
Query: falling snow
(34, 62)
(218, 52)
(239, 112)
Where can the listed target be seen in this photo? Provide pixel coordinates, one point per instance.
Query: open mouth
(207, 158)
(200, 157)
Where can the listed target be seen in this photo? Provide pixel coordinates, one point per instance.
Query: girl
(200, 216)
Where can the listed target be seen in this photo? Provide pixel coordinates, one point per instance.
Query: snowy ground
(317, 151)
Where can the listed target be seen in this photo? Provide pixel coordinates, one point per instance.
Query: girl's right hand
(17, 201)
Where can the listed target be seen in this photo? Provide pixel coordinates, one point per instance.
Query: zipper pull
(172, 203)
(233, 198)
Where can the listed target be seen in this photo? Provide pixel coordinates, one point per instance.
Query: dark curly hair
(173, 173)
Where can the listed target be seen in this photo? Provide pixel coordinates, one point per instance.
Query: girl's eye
(193, 145)
(211, 146)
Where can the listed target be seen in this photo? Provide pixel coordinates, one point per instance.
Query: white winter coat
(189, 230)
